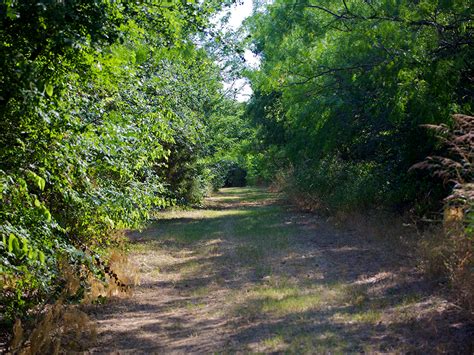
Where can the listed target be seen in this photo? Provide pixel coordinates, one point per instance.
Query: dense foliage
(104, 111)
(344, 87)
(112, 109)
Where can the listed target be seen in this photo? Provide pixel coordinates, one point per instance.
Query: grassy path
(248, 273)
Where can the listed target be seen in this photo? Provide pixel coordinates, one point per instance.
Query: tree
(357, 79)
(98, 100)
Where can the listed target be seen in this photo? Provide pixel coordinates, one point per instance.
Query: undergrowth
(443, 245)
(450, 254)
(61, 326)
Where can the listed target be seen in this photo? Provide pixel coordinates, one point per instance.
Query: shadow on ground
(248, 273)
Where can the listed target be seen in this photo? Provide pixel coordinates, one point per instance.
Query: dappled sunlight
(375, 278)
(200, 214)
(331, 211)
(241, 278)
(282, 302)
(365, 316)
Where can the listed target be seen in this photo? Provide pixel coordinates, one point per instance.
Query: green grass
(282, 298)
(274, 342)
(258, 229)
(245, 251)
(372, 316)
(247, 194)
(249, 254)
(327, 342)
(200, 291)
(293, 340)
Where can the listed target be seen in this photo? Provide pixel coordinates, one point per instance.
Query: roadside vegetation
(109, 111)
(112, 112)
(363, 106)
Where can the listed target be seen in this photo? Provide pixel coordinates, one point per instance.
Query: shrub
(333, 184)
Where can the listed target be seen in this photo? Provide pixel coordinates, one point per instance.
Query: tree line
(364, 105)
(344, 91)
(109, 111)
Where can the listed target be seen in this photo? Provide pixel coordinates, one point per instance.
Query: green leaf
(49, 89)
(46, 213)
(41, 257)
(12, 14)
(40, 182)
(11, 241)
(24, 248)
(14, 246)
(32, 254)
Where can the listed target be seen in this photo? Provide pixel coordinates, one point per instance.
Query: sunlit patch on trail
(237, 277)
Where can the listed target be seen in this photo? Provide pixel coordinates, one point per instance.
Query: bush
(101, 104)
(334, 184)
(236, 177)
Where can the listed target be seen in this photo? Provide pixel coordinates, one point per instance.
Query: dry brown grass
(61, 328)
(64, 328)
(458, 258)
(250, 275)
(381, 225)
(451, 253)
(58, 327)
(121, 269)
(444, 249)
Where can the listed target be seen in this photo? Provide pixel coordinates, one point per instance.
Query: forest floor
(250, 273)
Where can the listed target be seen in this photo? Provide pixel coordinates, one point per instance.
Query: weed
(273, 343)
(263, 270)
(60, 328)
(249, 254)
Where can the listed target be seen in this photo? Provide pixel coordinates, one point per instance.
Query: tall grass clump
(453, 256)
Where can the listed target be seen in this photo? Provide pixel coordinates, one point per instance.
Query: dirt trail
(249, 273)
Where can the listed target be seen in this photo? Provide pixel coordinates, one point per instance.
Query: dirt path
(248, 273)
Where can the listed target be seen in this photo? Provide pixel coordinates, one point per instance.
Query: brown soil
(250, 274)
